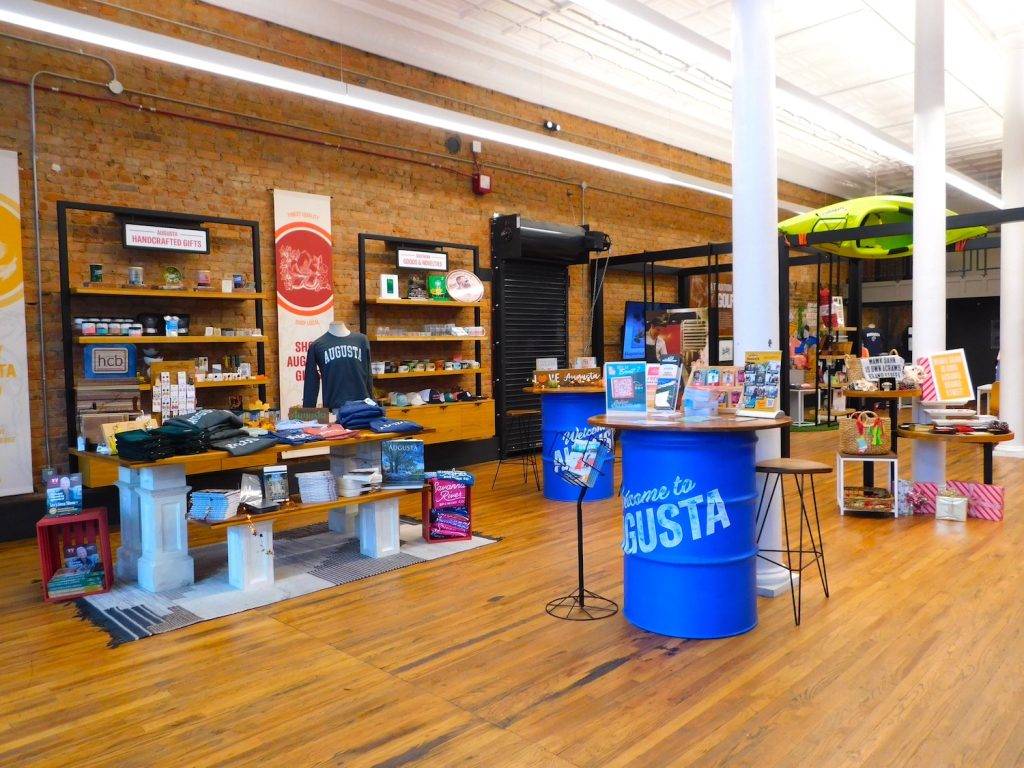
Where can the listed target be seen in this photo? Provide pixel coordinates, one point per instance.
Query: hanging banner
(15, 421)
(305, 288)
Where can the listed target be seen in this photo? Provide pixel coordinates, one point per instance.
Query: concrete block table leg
(251, 555)
(378, 528)
(165, 562)
(126, 568)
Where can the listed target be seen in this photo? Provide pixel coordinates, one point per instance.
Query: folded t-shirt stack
(221, 430)
(140, 445)
(357, 414)
(183, 441)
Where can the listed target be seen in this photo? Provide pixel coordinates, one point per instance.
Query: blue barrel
(689, 507)
(564, 420)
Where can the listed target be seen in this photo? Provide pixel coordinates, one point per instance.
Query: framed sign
(410, 259)
(165, 238)
(951, 376)
(109, 361)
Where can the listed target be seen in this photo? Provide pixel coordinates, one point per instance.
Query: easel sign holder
(762, 373)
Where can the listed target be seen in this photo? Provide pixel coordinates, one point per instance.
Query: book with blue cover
(401, 463)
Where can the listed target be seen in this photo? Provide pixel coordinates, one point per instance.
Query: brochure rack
(582, 604)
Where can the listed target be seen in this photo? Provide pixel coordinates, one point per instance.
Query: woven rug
(306, 560)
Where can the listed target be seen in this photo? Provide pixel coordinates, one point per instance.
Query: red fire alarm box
(481, 183)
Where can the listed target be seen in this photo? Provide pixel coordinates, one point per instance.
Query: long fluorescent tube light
(660, 32)
(88, 29)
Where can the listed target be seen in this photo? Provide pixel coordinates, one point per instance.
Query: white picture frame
(389, 287)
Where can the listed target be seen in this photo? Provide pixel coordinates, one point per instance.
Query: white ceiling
(855, 55)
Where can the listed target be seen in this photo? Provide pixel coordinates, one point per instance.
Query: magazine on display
(761, 375)
(402, 464)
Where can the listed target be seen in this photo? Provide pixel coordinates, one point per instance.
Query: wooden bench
(251, 537)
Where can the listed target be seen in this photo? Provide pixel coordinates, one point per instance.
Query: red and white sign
(305, 284)
(166, 238)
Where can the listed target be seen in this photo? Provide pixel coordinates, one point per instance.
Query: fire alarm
(481, 183)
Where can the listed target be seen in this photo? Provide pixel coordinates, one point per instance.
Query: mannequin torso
(338, 328)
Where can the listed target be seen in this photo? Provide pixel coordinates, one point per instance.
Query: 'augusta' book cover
(401, 463)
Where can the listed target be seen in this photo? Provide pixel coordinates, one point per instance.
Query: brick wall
(224, 150)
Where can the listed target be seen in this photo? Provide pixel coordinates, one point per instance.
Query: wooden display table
(563, 421)
(154, 502)
(689, 493)
(986, 440)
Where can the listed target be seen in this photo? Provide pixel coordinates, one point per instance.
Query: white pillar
(755, 219)
(1011, 260)
(929, 310)
(163, 501)
(126, 566)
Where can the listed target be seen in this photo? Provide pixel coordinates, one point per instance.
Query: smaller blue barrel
(564, 420)
(689, 508)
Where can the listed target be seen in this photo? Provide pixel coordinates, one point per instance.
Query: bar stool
(519, 422)
(799, 470)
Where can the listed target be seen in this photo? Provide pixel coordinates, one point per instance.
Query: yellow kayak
(866, 212)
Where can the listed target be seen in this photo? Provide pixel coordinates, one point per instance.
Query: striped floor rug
(305, 560)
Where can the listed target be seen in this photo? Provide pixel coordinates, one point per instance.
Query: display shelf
(417, 303)
(85, 228)
(418, 374)
(254, 381)
(375, 337)
(166, 293)
(168, 339)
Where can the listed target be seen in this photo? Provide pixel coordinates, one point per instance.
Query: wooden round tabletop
(974, 437)
(719, 424)
(587, 390)
(882, 395)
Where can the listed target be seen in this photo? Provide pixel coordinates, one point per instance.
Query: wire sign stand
(583, 466)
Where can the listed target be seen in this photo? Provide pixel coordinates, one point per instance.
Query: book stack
(316, 487)
(214, 505)
(68, 582)
(82, 573)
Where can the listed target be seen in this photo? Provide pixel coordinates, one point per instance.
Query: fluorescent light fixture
(88, 29)
(660, 32)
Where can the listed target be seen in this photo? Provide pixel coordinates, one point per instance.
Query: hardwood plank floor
(917, 659)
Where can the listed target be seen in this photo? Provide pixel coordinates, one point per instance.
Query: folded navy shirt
(395, 425)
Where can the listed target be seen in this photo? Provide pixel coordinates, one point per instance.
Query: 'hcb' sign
(664, 517)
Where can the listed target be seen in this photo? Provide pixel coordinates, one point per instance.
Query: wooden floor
(916, 660)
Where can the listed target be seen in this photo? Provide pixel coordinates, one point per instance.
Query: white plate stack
(316, 487)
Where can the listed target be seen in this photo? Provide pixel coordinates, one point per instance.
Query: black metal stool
(799, 469)
(519, 422)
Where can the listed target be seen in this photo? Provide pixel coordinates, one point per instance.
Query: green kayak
(866, 212)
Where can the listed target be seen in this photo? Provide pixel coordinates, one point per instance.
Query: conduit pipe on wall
(115, 87)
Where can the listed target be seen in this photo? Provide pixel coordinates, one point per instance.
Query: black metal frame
(393, 242)
(151, 216)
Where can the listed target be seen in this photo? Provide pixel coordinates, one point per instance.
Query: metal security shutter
(532, 320)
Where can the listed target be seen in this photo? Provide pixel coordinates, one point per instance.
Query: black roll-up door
(532, 321)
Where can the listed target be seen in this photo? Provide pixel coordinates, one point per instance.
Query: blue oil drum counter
(564, 414)
(689, 504)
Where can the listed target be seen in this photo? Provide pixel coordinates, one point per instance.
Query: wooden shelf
(427, 338)
(422, 303)
(253, 382)
(168, 339)
(417, 374)
(164, 294)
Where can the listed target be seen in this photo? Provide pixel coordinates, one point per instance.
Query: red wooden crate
(54, 534)
(429, 513)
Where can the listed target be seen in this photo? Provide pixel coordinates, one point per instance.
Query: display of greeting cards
(761, 374)
(726, 381)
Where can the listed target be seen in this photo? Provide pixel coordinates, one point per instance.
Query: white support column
(165, 562)
(1011, 260)
(755, 224)
(378, 528)
(929, 291)
(126, 566)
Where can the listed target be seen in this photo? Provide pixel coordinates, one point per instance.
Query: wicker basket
(864, 433)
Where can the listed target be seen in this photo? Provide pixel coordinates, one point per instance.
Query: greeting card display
(761, 374)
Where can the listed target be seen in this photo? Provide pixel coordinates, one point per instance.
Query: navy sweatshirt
(343, 364)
